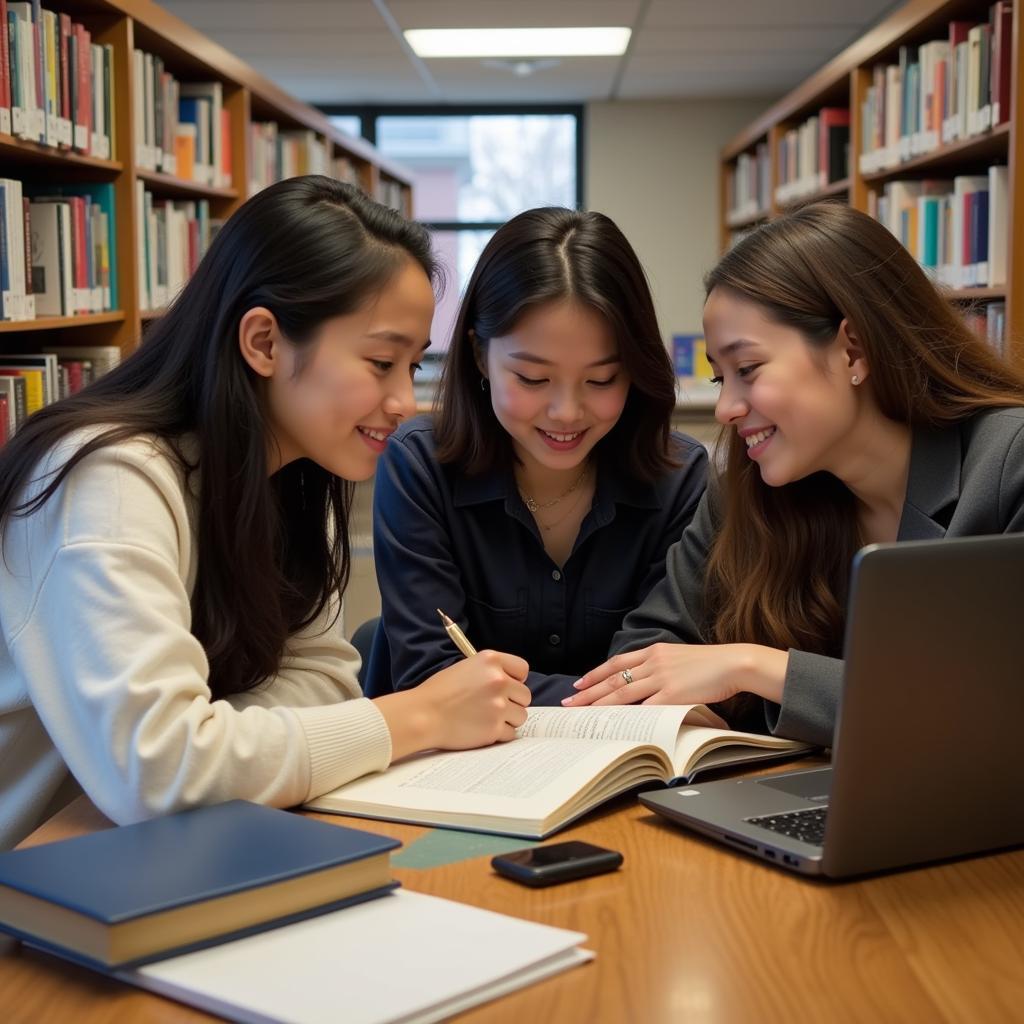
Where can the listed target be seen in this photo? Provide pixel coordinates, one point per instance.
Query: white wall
(653, 168)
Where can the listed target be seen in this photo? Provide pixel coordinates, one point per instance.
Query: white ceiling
(352, 51)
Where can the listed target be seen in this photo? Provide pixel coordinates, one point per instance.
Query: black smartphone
(558, 862)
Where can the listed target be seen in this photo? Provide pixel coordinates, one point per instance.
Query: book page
(648, 723)
(695, 743)
(527, 778)
(684, 731)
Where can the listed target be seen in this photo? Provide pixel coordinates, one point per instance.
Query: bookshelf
(188, 58)
(924, 159)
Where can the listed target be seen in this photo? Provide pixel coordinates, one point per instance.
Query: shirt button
(554, 639)
(556, 575)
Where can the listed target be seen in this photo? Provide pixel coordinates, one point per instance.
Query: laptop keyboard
(808, 826)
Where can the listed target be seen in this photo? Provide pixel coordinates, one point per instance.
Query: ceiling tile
(371, 67)
(711, 84)
(684, 42)
(323, 88)
(750, 13)
(799, 64)
(307, 16)
(575, 80)
(300, 46)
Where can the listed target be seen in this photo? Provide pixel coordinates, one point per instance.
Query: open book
(565, 762)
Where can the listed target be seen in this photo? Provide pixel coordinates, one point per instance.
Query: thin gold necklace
(533, 505)
(570, 509)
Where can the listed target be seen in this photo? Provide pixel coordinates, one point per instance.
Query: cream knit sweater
(103, 686)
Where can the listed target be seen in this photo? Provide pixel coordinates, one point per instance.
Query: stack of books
(142, 892)
(257, 914)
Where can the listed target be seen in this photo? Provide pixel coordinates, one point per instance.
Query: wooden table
(686, 931)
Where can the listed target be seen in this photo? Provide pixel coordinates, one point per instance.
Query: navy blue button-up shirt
(469, 546)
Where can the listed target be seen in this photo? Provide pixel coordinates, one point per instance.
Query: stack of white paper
(404, 957)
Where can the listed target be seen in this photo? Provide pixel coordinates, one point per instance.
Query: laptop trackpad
(811, 785)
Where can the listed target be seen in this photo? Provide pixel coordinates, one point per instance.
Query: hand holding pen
(481, 699)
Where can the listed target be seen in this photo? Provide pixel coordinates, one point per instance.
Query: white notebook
(403, 957)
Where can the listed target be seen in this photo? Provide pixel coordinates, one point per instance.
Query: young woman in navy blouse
(537, 505)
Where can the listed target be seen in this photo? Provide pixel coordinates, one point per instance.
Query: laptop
(926, 760)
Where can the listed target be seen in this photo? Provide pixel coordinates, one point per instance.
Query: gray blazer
(965, 480)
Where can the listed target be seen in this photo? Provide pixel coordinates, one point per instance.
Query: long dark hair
(779, 567)
(272, 550)
(541, 256)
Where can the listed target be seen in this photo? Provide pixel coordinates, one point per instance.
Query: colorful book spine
(5, 73)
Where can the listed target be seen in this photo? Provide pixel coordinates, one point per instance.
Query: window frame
(368, 114)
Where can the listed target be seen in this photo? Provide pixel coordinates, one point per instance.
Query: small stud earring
(483, 384)
(855, 380)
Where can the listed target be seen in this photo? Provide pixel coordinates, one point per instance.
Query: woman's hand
(473, 703)
(683, 674)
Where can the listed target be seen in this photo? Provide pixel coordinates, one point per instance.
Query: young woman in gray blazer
(857, 407)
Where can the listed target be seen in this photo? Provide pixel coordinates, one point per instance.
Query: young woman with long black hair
(175, 542)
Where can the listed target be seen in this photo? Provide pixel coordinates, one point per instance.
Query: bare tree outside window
(471, 171)
(519, 163)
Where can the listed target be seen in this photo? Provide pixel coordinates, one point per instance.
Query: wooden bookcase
(189, 56)
(844, 81)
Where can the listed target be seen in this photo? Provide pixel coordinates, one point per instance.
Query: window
(472, 170)
(351, 124)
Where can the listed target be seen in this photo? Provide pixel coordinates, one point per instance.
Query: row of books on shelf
(813, 155)
(172, 238)
(30, 380)
(275, 154)
(938, 93)
(181, 128)
(56, 85)
(389, 193)
(956, 229)
(749, 184)
(58, 247)
(346, 169)
(58, 250)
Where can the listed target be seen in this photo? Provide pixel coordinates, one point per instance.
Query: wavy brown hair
(541, 256)
(779, 567)
(273, 550)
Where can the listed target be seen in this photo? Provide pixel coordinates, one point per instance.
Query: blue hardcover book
(189, 112)
(979, 233)
(130, 895)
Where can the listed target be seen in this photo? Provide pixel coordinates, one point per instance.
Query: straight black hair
(541, 256)
(273, 550)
